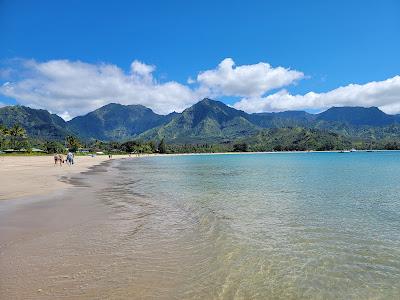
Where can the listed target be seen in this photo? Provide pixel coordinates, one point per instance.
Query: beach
(23, 176)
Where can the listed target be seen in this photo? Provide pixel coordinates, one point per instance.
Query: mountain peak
(209, 102)
(356, 115)
(116, 121)
(211, 109)
(114, 105)
(206, 120)
(354, 108)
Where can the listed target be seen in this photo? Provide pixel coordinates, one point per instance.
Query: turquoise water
(256, 226)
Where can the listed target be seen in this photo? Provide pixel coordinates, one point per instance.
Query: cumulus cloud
(247, 80)
(71, 88)
(142, 71)
(383, 94)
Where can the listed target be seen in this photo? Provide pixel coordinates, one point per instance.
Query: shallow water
(256, 226)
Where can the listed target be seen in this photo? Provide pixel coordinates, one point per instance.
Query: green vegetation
(198, 148)
(116, 122)
(241, 147)
(298, 139)
(135, 147)
(18, 136)
(13, 137)
(38, 123)
(207, 126)
(207, 121)
(72, 143)
(53, 147)
(162, 148)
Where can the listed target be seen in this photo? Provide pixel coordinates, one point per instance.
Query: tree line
(282, 139)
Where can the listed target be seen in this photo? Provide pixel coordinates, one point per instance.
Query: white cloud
(247, 80)
(142, 71)
(71, 88)
(383, 94)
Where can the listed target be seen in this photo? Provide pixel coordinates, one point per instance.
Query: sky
(71, 57)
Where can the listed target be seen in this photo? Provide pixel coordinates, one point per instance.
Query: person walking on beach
(70, 158)
(60, 159)
(55, 159)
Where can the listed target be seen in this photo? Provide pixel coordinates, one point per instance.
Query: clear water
(256, 226)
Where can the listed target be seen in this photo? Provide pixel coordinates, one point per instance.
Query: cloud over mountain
(383, 94)
(71, 88)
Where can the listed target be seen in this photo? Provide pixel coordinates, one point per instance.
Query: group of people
(59, 159)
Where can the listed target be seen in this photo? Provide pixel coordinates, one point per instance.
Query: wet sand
(77, 244)
(33, 235)
(52, 227)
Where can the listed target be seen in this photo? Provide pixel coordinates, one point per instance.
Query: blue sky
(333, 43)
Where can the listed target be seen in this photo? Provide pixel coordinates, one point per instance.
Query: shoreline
(30, 176)
(26, 176)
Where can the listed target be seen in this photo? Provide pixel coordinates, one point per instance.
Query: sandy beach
(64, 239)
(22, 176)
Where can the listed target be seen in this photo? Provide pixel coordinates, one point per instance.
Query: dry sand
(22, 176)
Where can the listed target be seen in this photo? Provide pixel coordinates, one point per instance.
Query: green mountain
(358, 116)
(282, 119)
(38, 123)
(347, 116)
(207, 121)
(213, 122)
(297, 139)
(116, 122)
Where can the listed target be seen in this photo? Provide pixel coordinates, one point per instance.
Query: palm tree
(17, 132)
(3, 130)
(162, 148)
(72, 143)
(3, 134)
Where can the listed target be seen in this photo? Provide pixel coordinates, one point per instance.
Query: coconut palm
(3, 135)
(17, 133)
(72, 143)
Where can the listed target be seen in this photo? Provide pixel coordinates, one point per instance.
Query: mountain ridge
(38, 123)
(207, 121)
(116, 121)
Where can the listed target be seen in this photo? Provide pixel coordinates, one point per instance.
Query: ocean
(284, 225)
